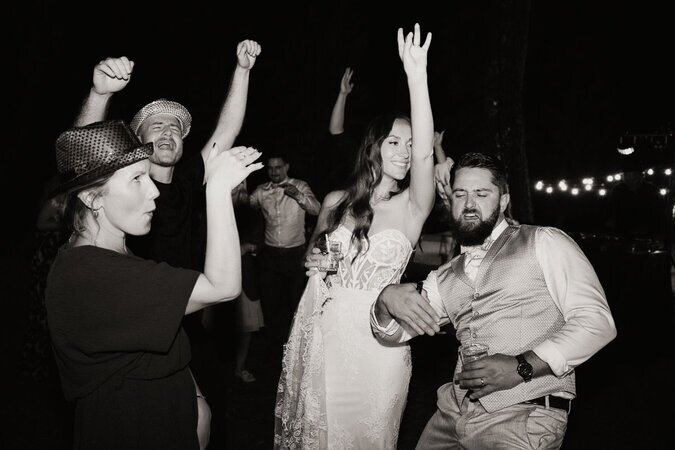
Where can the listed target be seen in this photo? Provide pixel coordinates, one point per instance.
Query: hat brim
(69, 181)
(163, 106)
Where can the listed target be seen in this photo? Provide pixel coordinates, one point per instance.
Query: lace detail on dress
(339, 387)
(300, 412)
(361, 369)
(382, 264)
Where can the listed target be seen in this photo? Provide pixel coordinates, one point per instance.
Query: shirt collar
(496, 232)
(272, 184)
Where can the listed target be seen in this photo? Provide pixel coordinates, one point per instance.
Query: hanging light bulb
(588, 187)
(626, 147)
(610, 178)
(668, 171)
(549, 189)
(575, 191)
(539, 186)
(663, 191)
(602, 192)
(650, 171)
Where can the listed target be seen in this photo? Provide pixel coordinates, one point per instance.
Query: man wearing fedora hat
(175, 235)
(166, 124)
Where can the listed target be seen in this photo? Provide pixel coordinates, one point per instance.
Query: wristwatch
(524, 368)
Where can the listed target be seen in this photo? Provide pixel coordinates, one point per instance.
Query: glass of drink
(472, 352)
(332, 254)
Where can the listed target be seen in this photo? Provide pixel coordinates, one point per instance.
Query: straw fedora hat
(163, 106)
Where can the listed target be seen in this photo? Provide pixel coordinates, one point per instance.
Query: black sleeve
(191, 170)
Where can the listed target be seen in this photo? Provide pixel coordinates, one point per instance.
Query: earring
(94, 211)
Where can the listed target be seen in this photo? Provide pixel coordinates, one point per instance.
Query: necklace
(377, 198)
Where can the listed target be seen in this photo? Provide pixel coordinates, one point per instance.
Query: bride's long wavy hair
(366, 175)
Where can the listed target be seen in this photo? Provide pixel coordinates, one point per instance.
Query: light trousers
(463, 424)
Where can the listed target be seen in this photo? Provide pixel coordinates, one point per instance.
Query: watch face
(525, 371)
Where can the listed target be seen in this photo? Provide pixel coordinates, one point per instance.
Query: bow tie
(478, 250)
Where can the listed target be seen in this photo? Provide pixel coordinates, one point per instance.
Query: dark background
(594, 71)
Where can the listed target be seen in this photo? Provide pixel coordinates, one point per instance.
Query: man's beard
(472, 233)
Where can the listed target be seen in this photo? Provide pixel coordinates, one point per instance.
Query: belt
(285, 249)
(553, 402)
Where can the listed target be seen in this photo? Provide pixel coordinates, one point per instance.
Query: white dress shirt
(573, 286)
(284, 216)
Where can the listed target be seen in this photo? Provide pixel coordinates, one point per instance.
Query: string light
(588, 183)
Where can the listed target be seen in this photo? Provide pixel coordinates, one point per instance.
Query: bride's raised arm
(414, 58)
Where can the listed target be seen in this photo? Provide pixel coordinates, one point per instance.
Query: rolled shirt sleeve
(393, 332)
(578, 294)
(307, 200)
(254, 199)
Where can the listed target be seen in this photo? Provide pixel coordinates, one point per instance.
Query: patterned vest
(508, 307)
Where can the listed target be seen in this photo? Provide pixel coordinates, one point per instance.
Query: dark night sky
(594, 71)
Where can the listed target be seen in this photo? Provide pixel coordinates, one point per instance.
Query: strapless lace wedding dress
(340, 388)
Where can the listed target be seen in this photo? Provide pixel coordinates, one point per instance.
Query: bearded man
(527, 292)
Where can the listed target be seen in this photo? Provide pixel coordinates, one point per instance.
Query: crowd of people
(150, 244)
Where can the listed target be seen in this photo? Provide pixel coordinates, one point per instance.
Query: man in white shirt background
(527, 292)
(284, 201)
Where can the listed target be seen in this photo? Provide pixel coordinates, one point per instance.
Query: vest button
(475, 295)
(475, 313)
(474, 335)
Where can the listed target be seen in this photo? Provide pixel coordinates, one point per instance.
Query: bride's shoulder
(333, 198)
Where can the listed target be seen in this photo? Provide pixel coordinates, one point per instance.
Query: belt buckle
(547, 402)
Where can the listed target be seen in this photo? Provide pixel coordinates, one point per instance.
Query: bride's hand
(313, 261)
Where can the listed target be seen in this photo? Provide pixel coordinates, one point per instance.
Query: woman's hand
(346, 84)
(442, 172)
(413, 55)
(232, 166)
(313, 262)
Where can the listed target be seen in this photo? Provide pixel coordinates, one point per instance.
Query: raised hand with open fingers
(346, 84)
(231, 167)
(413, 55)
(112, 75)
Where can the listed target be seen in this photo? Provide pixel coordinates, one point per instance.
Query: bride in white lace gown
(340, 388)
